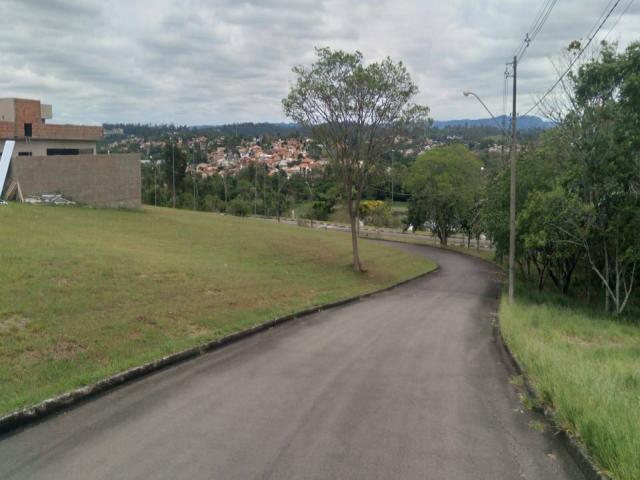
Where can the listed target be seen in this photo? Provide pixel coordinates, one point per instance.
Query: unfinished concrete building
(50, 158)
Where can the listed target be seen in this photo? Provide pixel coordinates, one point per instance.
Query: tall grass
(587, 366)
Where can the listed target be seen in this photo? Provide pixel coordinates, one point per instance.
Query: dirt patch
(13, 323)
(66, 348)
(195, 330)
(594, 342)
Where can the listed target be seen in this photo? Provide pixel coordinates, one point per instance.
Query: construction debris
(2, 202)
(48, 198)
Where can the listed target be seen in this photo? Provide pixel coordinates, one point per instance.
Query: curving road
(403, 385)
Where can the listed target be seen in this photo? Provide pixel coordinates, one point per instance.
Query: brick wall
(102, 180)
(7, 130)
(28, 111)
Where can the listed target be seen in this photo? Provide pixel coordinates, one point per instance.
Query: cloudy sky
(222, 61)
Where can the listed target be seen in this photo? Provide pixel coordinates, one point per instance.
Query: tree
(605, 166)
(445, 185)
(355, 111)
(543, 225)
(539, 169)
(578, 188)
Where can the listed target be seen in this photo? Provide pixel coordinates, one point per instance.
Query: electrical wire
(535, 28)
(615, 24)
(591, 37)
(388, 191)
(531, 27)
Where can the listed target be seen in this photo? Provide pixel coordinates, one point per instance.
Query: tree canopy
(355, 111)
(446, 184)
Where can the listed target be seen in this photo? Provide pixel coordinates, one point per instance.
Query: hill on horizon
(526, 122)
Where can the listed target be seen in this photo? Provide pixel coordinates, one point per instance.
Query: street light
(466, 93)
(512, 196)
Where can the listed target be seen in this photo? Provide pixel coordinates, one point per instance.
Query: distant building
(25, 122)
(114, 132)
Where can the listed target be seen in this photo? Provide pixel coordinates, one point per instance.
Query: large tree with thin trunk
(355, 111)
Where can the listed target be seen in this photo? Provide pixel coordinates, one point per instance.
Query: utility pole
(155, 183)
(193, 176)
(224, 184)
(512, 199)
(255, 187)
(173, 174)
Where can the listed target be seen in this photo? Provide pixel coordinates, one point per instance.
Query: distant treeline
(246, 130)
(481, 134)
(474, 136)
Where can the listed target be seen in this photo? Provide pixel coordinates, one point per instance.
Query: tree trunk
(606, 275)
(353, 218)
(354, 243)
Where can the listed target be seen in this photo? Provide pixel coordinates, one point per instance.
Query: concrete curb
(24, 417)
(575, 449)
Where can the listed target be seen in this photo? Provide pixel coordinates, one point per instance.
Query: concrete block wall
(71, 132)
(101, 180)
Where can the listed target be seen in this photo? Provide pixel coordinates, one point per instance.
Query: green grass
(90, 292)
(587, 366)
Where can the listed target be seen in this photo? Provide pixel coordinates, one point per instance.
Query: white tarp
(5, 161)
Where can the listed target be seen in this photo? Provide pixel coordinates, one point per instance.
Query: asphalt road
(407, 384)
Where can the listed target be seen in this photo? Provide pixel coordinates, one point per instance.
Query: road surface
(407, 384)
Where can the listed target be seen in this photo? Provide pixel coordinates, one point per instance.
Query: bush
(376, 213)
(212, 203)
(321, 209)
(239, 207)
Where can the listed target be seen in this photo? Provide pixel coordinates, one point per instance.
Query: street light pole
(173, 174)
(512, 192)
(466, 93)
(155, 182)
(512, 198)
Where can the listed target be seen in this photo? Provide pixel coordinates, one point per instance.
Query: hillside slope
(91, 292)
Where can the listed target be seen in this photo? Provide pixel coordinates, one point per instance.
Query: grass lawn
(587, 366)
(90, 292)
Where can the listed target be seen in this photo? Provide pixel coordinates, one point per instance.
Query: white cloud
(200, 62)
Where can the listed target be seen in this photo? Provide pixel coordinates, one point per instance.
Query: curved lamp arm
(466, 93)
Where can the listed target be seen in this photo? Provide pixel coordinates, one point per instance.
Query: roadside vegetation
(579, 189)
(587, 367)
(575, 325)
(90, 292)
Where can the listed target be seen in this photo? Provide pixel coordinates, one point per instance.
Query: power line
(531, 27)
(535, 28)
(383, 190)
(615, 24)
(598, 21)
(540, 100)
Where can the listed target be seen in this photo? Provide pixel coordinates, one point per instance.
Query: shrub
(239, 207)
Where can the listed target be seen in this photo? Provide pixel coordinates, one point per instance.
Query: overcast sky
(223, 61)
